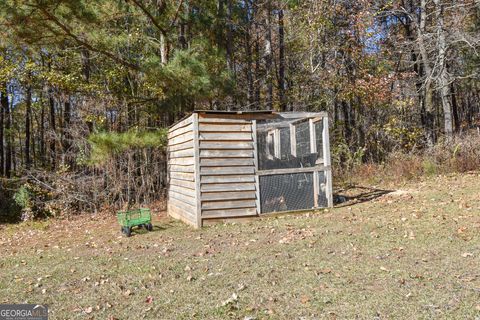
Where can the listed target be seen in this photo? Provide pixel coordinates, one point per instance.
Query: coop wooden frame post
(255, 160)
(270, 172)
(196, 146)
(293, 140)
(313, 149)
(327, 163)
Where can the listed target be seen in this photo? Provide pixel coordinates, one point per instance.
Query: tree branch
(176, 14)
(85, 44)
(150, 17)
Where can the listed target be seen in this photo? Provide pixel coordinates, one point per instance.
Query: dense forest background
(88, 87)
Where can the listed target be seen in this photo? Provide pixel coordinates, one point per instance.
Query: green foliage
(33, 200)
(22, 197)
(345, 158)
(106, 144)
(406, 137)
(429, 167)
(192, 75)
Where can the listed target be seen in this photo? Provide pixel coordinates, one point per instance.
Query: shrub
(462, 154)
(429, 167)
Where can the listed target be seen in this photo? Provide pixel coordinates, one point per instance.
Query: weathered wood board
(227, 168)
(181, 171)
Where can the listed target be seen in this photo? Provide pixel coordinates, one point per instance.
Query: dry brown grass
(457, 156)
(410, 254)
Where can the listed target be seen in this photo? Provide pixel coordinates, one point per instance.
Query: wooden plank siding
(181, 172)
(227, 167)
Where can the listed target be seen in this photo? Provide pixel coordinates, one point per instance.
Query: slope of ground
(411, 253)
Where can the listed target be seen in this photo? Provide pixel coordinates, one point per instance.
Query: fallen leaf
(461, 229)
(230, 300)
(304, 300)
(325, 271)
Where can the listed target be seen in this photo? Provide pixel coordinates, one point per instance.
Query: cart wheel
(149, 227)
(128, 231)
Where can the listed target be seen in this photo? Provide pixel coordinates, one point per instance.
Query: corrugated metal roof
(234, 112)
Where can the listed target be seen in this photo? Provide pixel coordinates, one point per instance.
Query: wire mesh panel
(289, 145)
(283, 144)
(286, 192)
(319, 138)
(302, 137)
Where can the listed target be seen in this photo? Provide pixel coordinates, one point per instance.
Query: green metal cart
(134, 218)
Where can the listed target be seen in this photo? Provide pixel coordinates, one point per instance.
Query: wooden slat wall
(227, 167)
(181, 169)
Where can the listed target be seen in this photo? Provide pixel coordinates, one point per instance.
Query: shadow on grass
(5, 218)
(9, 214)
(136, 231)
(354, 194)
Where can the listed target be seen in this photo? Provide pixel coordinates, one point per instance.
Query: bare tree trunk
(428, 89)
(28, 124)
(347, 121)
(268, 58)
(53, 151)
(443, 78)
(257, 72)
(41, 126)
(85, 56)
(66, 135)
(256, 81)
(163, 49)
(249, 69)
(281, 68)
(182, 38)
(456, 117)
(8, 135)
(248, 53)
(230, 57)
(2, 149)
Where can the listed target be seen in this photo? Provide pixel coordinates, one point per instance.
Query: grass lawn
(413, 253)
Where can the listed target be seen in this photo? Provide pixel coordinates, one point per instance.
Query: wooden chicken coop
(228, 165)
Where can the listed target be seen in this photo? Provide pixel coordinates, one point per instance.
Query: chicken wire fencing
(291, 164)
